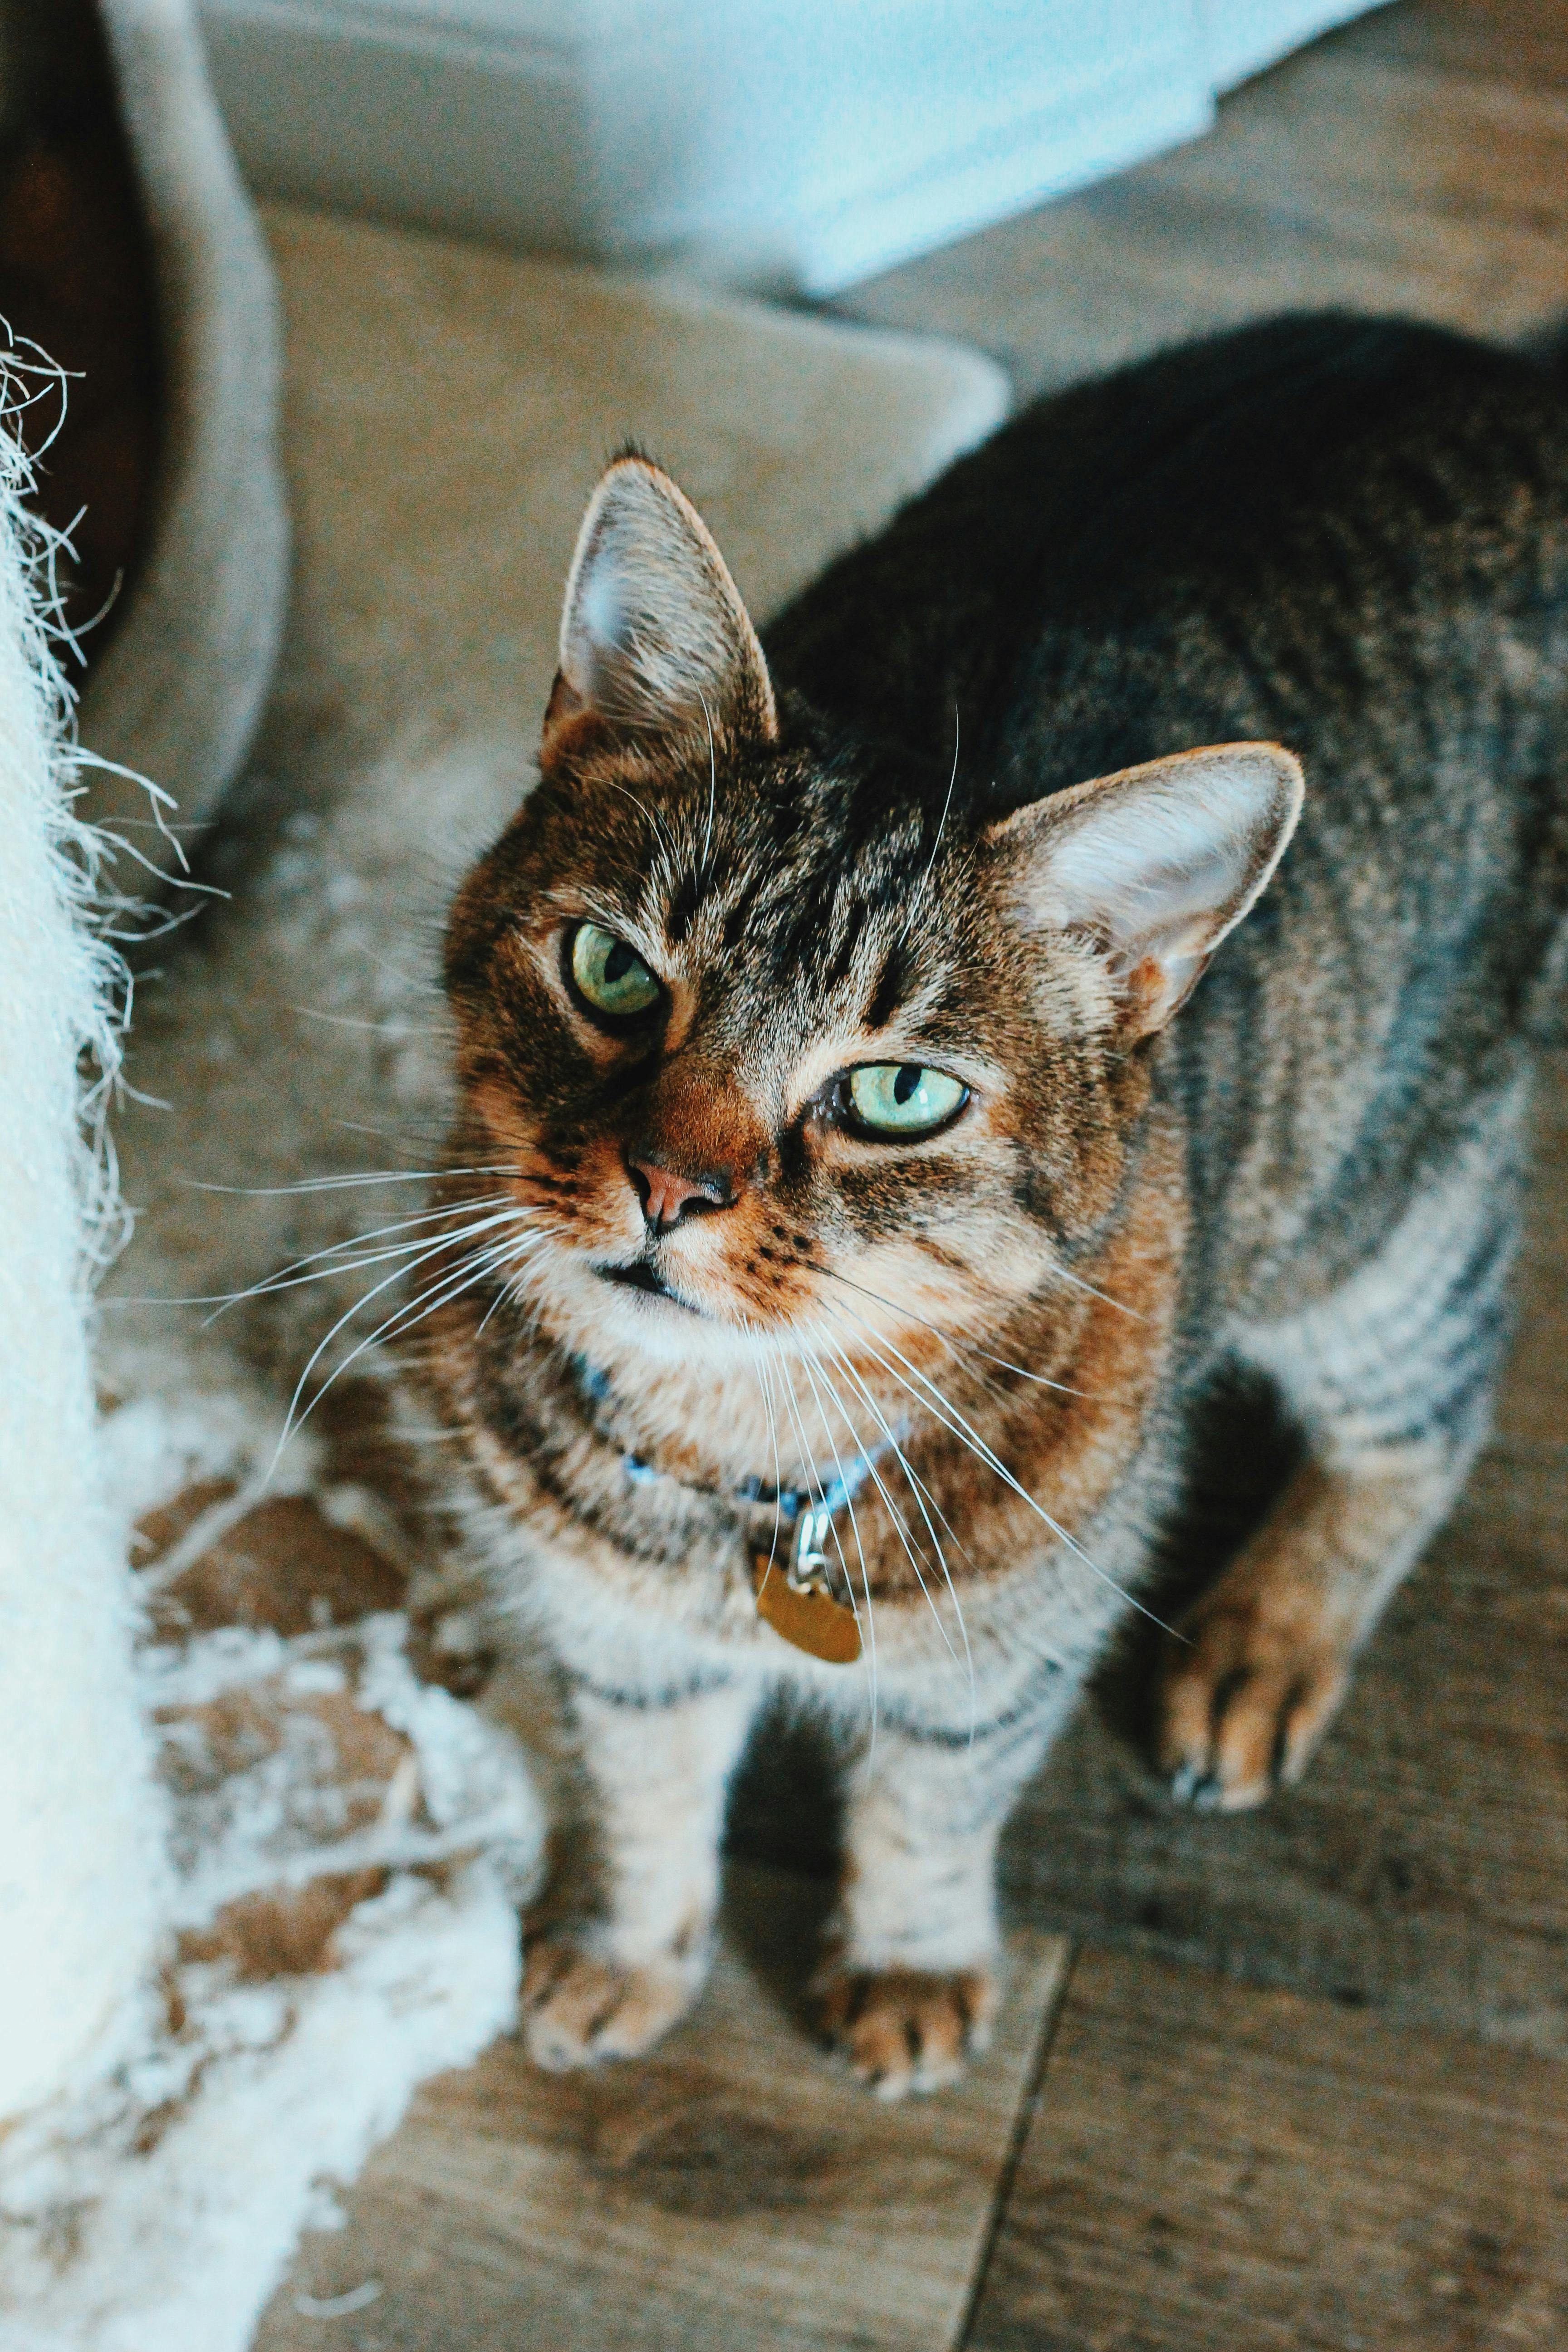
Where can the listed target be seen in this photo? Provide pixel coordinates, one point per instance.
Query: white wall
(771, 142)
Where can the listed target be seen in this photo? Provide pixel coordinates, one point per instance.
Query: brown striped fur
(876, 842)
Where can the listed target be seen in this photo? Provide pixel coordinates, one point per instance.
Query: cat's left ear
(654, 639)
(1155, 865)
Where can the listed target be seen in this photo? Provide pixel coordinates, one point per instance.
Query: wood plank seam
(1029, 2099)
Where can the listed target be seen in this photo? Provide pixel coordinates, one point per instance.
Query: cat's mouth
(640, 1276)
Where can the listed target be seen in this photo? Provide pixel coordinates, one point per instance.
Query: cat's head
(769, 1043)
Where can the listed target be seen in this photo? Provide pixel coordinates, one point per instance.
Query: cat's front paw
(1244, 1703)
(579, 2008)
(905, 2029)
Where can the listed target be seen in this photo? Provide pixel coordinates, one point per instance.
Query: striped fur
(1344, 538)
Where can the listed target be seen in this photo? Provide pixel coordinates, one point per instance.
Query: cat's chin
(669, 1332)
(639, 1276)
(630, 1310)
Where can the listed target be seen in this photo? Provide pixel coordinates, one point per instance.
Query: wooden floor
(1153, 2159)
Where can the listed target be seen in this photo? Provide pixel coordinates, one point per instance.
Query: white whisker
(807, 1359)
(957, 1348)
(434, 1249)
(440, 1293)
(510, 1288)
(1065, 1274)
(900, 1522)
(760, 1367)
(954, 1420)
(350, 1256)
(919, 891)
(337, 1183)
(918, 1490)
(713, 777)
(792, 1409)
(868, 1630)
(381, 1028)
(655, 822)
(475, 1268)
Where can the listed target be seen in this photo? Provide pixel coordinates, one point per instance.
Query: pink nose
(667, 1197)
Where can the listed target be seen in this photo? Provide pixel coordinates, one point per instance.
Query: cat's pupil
(618, 962)
(908, 1077)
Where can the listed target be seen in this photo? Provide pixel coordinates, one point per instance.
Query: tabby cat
(855, 1188)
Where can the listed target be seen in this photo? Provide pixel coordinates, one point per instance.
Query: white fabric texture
(79, 1888)
(281, 2083)
(150, 2203)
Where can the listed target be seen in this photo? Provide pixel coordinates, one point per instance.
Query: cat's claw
(905, 2030)
(1243, 1708)
(1191, 1784)
(578, 2010)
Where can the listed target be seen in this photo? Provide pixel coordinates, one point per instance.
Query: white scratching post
(81, 1861)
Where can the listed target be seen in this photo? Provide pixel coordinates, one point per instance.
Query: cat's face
(769, 1045)
(748, 1061)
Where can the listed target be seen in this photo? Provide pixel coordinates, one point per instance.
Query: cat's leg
(1391, 1381)
(1258, 1670)
(909, 1987)
(622, 1944)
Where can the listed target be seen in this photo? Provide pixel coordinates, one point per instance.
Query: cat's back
(1349, 536)
(1280, 487)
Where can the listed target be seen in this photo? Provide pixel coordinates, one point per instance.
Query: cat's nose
(666, 1198)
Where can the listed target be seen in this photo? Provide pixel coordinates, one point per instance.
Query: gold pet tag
(808, 1616)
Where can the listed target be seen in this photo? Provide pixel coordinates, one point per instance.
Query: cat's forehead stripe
(795, 912)
(884, 999)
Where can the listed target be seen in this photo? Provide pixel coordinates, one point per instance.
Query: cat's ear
(1155, 865)
(654, 637)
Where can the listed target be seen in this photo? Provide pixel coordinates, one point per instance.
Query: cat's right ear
(654, 639)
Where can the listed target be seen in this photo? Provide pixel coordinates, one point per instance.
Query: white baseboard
(790, 145)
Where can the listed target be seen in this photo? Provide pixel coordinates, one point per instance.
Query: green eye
(612, 977)
(902, 1098)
